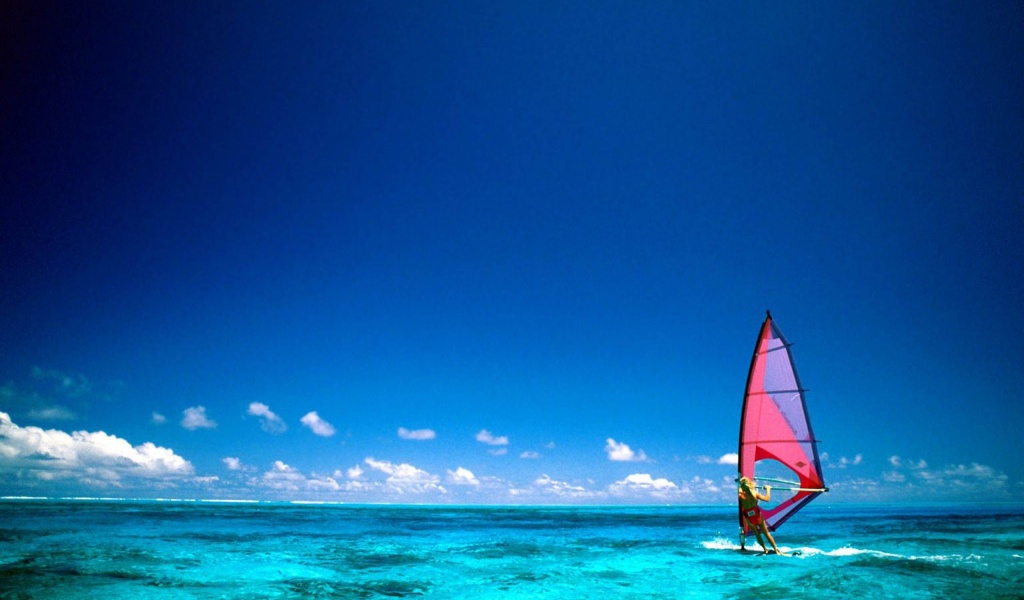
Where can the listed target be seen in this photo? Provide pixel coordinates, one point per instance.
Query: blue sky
(505, 253)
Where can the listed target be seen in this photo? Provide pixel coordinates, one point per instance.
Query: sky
(506, 253)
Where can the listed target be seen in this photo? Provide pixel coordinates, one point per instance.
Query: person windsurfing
(751, 512)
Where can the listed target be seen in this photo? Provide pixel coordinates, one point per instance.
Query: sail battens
(791, 441)
(776, 436)
(770, 392)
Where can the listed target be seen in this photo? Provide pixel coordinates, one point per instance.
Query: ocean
(162, 549)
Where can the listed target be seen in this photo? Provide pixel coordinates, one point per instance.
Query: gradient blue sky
(540, 235)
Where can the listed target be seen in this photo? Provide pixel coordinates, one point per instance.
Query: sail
(777, 445)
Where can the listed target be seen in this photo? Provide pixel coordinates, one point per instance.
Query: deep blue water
(128, 549)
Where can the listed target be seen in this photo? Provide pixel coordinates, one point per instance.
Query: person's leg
(767, 533)
(757, 532)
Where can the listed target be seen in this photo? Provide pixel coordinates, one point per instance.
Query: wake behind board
(722, 544)
(755, 552)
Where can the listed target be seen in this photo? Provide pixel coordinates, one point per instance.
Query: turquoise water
(127, 549)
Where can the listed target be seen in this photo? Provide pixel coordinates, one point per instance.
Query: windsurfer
(751, 512)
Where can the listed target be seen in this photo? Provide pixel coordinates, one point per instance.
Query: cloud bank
(34, 455)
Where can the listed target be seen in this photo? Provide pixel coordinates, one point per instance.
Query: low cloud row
(50, 461)
(376, 478)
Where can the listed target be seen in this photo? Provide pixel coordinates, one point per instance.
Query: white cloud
(845, 462)
(52, 413)
(643, 483)
(960, 477)
(898, 463)
(530, 454)
(95, 458)
(402, 471)
(354, 473)
(318, 425)
(914, 479)
(562, 489)
(859, 485)
(405, 478)
(359, 486)
(706, 489)
(498, 451)
(644, 480)
(235, 464)
(416, 434)
(158, 419)
(894, 477)
(730, 458)
(195, 418)
(284, 478)
(842, 462)
(622, 452)
(269, 421)
(487, 438)
(322, 483)
(462, 476)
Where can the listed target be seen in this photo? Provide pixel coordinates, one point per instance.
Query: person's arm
(767, 496)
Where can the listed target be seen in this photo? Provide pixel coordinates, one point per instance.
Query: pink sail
(777, 445)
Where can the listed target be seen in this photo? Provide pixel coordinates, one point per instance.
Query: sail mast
(746, 394)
